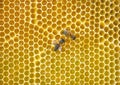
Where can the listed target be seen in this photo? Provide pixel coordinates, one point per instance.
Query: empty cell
(49, 5)
(102, 6)
(97, 9)
(54, 7)
(115, 35)
(116, 22)
(6, 8)
(6, 2)
(44, 2)
(11, 11)
(82, 19)
(44, 8)
(63, 19)
(59, 11)
(117, 15)
(102, 12)
(92, 6)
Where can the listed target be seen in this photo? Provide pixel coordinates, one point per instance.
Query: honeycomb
(28, 27)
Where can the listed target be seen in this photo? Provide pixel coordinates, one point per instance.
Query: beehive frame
(28, 27)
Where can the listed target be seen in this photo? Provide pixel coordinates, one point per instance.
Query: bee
(61, 41)
(65, 32)
(57, 46)
(68, 33)
(73, 37)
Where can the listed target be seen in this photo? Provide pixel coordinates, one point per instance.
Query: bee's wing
(60, 48)
(54, 42)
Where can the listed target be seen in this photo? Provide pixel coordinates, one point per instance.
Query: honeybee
(57, 46)
(61, 41)
(68, 33)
